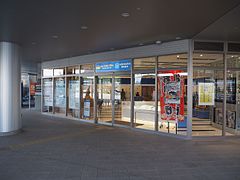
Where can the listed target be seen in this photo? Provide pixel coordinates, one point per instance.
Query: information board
(87, 108)
(47, 93)
(122, 65)
(60, 93)
(206, 94)
(73, 94)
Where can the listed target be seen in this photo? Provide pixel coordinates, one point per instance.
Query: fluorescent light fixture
(183, 74)
(165, 74)
(125, 14)
(55, 37)
(84, 27)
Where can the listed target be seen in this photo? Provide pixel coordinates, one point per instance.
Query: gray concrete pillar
(10, 79)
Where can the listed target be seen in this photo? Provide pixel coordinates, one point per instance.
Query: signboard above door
(122, 65)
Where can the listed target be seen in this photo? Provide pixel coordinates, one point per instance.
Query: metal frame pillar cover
(10, 85)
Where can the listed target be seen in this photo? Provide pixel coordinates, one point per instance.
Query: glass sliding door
(144, 101)
(122, 100)
(87, 97)
(59, 96)
(104, 99)
(208, 94)
(73, 98)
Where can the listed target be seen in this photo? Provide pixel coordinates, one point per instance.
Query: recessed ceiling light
(201, 55)
(138, 8)
(54, 36)
(158, 42)
(178, 56)
(178, 38)
(232, 56)
(125, 14)
(140, 44)
(84, 27)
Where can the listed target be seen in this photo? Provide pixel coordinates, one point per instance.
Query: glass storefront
(151, 93)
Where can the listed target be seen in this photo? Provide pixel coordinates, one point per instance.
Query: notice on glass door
(87, 108)
(47, 93)
(206, 94)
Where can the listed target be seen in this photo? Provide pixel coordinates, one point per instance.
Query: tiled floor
(54, 148)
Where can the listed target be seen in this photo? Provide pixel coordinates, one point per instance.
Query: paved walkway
(56, 149)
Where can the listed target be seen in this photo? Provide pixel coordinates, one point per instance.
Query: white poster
(74, 94)
(87, 109)
(206, 94)
(47, 93)
(60, 93)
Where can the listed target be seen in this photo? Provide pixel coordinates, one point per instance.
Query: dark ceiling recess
(52, 29)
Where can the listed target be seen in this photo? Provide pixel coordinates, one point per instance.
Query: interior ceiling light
(178, 56)
(125, 14)
(158, 42)
(232, 56)
(138, 8)
(84, 27)
(201, 55)
(54, 36)
(178, 38)
(140, 44)
(112, 49)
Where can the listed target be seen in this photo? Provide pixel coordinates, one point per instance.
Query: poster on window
(206, 94)
(47, 93)
(171, 96)
(60, 93)
(86, 107)
(73, 94)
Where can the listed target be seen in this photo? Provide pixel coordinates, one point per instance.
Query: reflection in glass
(25, 90)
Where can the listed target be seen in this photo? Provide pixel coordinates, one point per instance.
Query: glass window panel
(47, 72)
(59, 71)
(144, 63)
(87, 68)
(144, 101)
(73, 70)
(172, 92)
(172, 61)
(207, 94)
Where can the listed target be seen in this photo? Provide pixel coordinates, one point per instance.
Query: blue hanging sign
(122, 65)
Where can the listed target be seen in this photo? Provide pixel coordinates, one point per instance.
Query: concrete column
(10, 77)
